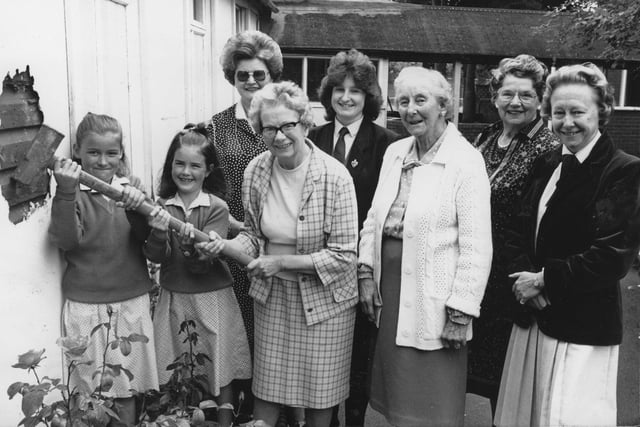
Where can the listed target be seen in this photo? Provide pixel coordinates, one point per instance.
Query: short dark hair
(359, 67)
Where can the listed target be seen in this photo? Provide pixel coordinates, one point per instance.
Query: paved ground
(477, 414)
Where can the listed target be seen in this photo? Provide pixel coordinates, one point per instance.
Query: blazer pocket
(344, 293)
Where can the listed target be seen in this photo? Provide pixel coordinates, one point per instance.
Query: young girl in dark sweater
(195, 285)
(106, 270)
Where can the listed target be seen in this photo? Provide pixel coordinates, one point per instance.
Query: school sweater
(102, 245)
(181, 270)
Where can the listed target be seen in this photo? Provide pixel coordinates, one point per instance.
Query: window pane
(292, 70)
(197, 10)
(241, 19)
(317, 68)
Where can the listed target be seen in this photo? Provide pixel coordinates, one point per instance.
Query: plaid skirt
(130, 316)
(296, 364)
(221, 335)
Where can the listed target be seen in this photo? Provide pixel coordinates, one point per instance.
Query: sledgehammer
(41, 156)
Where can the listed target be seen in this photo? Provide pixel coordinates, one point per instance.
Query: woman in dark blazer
(351, 96)
(578, 233)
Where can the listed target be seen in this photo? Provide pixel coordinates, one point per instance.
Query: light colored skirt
(546, 382)
(221, 335)
(130, 316)
(412, 387)
(296, 364)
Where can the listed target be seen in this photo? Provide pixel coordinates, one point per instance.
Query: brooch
(354, 163)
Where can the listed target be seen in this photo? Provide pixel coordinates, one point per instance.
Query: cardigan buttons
(301, 217)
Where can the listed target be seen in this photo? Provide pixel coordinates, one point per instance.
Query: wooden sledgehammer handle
(146, 208)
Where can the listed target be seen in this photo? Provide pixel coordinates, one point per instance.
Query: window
(626, 87)
(246, 19)
(198, 11)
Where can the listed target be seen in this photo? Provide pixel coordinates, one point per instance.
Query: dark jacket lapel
(362, 143)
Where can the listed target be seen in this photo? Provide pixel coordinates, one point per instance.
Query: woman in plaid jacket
(301, 223)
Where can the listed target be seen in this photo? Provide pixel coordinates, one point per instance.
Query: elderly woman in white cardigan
(425, 255)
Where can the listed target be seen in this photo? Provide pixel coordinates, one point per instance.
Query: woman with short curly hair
(300, 216)
(577, 233)
(509, 148)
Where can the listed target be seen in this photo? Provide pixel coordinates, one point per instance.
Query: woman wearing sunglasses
(249, 60)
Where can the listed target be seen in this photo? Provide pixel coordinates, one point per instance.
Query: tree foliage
(613, 25)
(502, 4)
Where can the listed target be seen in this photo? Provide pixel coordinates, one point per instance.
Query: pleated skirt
(221, 335)
(412, 387)
(296, 364)
(546, 382)
(130, 316)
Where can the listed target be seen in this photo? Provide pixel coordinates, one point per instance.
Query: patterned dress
(236, 145)
(508, 169)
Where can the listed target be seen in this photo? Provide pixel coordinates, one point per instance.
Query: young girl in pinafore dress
(195, 285)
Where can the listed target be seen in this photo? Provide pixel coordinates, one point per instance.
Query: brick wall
(20, 119)
(624, 129)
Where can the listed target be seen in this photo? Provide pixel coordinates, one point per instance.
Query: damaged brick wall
(20, 119)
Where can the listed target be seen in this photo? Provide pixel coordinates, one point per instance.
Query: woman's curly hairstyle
(284, 93)
(359, 67)
(249, 45)
(588, 74)
(523, 66)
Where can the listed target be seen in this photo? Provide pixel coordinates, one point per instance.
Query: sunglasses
(258, 75)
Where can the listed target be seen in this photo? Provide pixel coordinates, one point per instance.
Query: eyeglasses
(258, 75)
(270, 132)
(525, 97)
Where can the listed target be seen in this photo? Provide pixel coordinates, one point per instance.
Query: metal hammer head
(39, 157)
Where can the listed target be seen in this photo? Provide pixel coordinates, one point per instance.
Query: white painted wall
(32, 32)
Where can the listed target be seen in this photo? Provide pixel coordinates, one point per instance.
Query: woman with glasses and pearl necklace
(301, 224)
(509, 148)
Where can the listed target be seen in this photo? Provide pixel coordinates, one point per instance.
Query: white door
(104, 69)
(198, 60)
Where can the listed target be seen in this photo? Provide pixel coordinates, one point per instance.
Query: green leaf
(15, 388)
(125, 346)
(128, 373)
(173, 366)
(201, 358)
(115, 344)
(30, 421)
(138, 338)
(31, 402)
